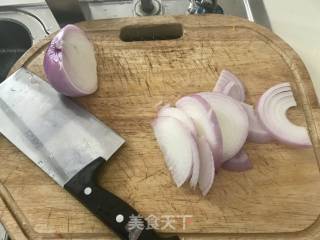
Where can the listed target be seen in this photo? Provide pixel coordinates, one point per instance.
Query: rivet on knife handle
(110, 209)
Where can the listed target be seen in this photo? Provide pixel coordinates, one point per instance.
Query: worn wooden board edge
(304, 90)
(9, 221)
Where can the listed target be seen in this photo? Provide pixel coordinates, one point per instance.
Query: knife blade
(66, 142)
(55, 133)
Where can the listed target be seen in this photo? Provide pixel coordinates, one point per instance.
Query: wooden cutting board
(278, 199)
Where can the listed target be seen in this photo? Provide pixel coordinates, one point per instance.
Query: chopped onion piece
(205, 122)
(177, 145)
(70, 63)
(233, 122)
(230, 85)
(228, 88)
(239, 163)
(272, 108)
(180, 115)
(207, 169)
(257, 132)
(195, 165)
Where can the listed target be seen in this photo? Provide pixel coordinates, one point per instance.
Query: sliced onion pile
(205, 121)
(208, 130)
(70, 63)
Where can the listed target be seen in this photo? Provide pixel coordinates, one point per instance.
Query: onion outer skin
(289, 133)
(57, 74)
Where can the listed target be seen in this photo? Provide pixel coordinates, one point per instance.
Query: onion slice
(233, 122)
(257, 132)
(177, 145)
(205, 122)
(239, 163)
(195, 165)
(230, 85)
(272, 108)
(207, 169)
(70, 63)
(180, 115)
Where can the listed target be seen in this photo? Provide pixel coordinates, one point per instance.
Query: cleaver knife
(69, 144)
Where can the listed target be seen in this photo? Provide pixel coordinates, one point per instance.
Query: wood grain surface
(278, 199)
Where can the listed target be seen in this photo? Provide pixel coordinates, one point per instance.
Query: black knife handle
(111, 210)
